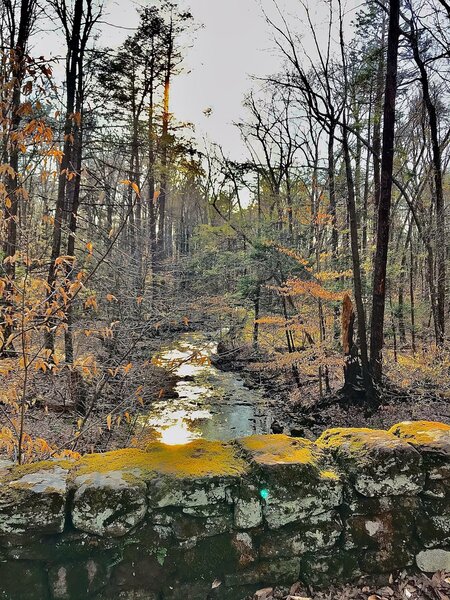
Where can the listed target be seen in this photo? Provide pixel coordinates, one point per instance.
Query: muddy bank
(300, 411)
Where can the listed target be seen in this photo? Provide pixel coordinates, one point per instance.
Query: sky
(232, 45)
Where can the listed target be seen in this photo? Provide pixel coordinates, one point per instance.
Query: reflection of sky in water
(214, 404)
(174, 426)
(186, 389)
(178, 433)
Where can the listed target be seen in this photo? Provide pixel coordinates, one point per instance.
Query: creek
(209, 403)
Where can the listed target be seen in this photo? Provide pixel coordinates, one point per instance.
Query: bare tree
(384, 208)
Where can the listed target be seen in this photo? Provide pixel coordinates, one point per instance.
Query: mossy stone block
(316, 535)
(292, 478)
(266, 572)
(336, 566)
(432, 440)
(33, 499)
(72, 580)
(108, 504)
(433, 527)
(376, 462)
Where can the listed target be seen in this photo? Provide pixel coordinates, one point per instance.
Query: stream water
(210, 403)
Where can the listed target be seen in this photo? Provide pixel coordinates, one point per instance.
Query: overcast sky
(233, 42)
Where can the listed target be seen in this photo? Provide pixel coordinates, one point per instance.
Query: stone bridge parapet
(220, 520)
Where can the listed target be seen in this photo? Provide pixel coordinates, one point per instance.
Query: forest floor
(301, 411)
(404, 586)
(124, 392)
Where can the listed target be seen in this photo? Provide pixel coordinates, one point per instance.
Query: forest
(156, 286)
(120, 230)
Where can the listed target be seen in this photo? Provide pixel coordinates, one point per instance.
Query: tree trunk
(411, 297)
(151, 166)
(378, 104)
(332, 190)
(384, 209)
(74, 189)
(61, 206)
(438, 186)
(256, 323)
(357, 280)
(352, 370)
(401, 289)
(11, 208)
(164, 149)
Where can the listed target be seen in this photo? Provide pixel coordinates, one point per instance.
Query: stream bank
(300, 411)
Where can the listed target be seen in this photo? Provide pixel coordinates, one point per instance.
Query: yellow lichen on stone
(280, 449)
(199, 458)
(126, 459)
(44, 465)
(376, 462)
(419, 432)
(329, 475)
(355, 439)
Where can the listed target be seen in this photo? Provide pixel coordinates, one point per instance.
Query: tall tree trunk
(332, 190)
(401, 289)
(378, 107)
(289, 207)
(65, 166)
(365, 214)
(11, 208)
(73, 192)
(137, 237)
(256, 301)
(384, 209)
(151, 165)
(165, 147)
(411, 297)
(438, 186)
(357, 279)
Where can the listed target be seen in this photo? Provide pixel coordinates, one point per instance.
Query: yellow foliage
(297, 287)
(289, 252)
(332, 275)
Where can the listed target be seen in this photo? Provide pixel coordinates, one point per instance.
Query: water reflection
(178, 433)
(210, 403)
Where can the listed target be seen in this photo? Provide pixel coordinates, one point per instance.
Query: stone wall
(213, 519)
